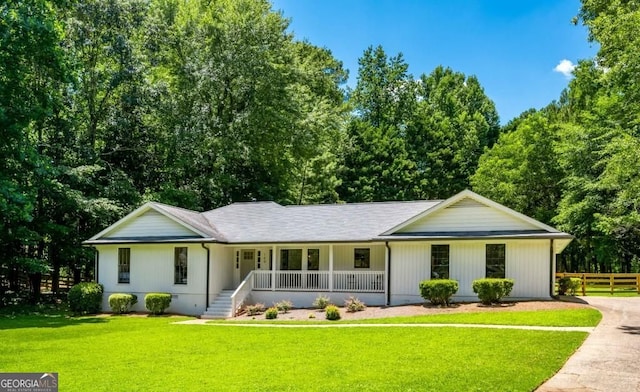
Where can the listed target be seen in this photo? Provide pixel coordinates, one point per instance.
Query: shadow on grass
(46, 321)
(42, 316)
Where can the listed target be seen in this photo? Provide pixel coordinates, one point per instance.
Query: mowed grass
(151, 353)
(600, 291)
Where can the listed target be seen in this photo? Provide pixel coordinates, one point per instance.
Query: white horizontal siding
(467, 215)
(466, 264)
(150, 224)
(152, 270)
(527, 263)
(343, 257)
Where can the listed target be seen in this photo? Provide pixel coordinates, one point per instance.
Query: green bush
(283, 306)
(85, 298)
(254, 309)
(353, 304)
(321, 302)
(438, 291)
(567, 285)
(271, 313)
(122, 303)
(157, 303)
(491, 290)
(332, 312)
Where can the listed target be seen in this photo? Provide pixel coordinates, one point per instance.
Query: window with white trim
(439, 261)
(495, 260)
(124, 265)
(362, 258)
(180, 262)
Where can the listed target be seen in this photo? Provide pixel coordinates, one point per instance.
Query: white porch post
(303, 267)
(273, 268)
(331, 267)
(385, 278)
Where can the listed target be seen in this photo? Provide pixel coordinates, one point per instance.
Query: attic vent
(467, 203)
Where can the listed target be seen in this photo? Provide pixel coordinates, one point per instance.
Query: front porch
(325, 281)
(300, 273)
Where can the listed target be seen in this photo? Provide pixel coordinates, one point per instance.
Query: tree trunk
(35, 281)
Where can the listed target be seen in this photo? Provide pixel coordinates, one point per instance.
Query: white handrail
(241, 293)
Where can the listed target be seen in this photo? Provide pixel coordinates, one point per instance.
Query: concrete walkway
(355, 325)
(609, 359)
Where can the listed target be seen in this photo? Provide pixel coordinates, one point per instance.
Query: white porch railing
(241, 293)
(351, 281)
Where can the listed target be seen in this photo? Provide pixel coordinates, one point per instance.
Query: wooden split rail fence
(602, 281)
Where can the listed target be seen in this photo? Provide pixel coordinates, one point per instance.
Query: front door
(247, 262)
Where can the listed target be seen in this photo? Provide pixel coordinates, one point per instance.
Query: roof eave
(150, 241)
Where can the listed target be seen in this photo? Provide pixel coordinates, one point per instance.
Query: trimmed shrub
(332, 312)
(284, 306)
(271, 313)
(85, 298)
(491, 291)
(321, 302)
(122, 303)
(157, 303)
(254, 309)
(438, 291)
(568, 286)
(353, 304)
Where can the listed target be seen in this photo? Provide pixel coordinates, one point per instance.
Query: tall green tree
(522, 170)
(453, 123)
(33, 74)
(243, 110)
(376, 164)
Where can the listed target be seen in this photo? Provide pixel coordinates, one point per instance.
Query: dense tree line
(576, 163)
(105, 104)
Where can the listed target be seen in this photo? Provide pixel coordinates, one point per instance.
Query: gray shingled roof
(268, 222)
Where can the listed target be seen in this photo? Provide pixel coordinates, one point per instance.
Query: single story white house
(214, 262)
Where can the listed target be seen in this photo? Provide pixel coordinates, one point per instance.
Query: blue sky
(515, 48)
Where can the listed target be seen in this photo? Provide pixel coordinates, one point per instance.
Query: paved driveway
(609, 360)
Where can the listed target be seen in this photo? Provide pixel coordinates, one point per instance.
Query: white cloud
(565, 67)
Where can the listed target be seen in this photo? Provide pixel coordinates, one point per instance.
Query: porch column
(330, 267)
(385, 278)
(273, 268)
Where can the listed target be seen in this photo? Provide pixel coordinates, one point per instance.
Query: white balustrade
(351, 281)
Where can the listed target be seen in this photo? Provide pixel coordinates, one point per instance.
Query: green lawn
(150, 353)
(599, 291)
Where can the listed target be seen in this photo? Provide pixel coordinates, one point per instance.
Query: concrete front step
(220, 307)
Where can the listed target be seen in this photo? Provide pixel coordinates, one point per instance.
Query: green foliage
(122, 303)
(271, 313)
(491, 291)
(454, 121)
(353, 304)
(284, 306)
(85, 298)
(568, 285)
(438, 291)
(321, 302)
(254, 309)
(332, 313)
(522, 171)
(157, 303)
